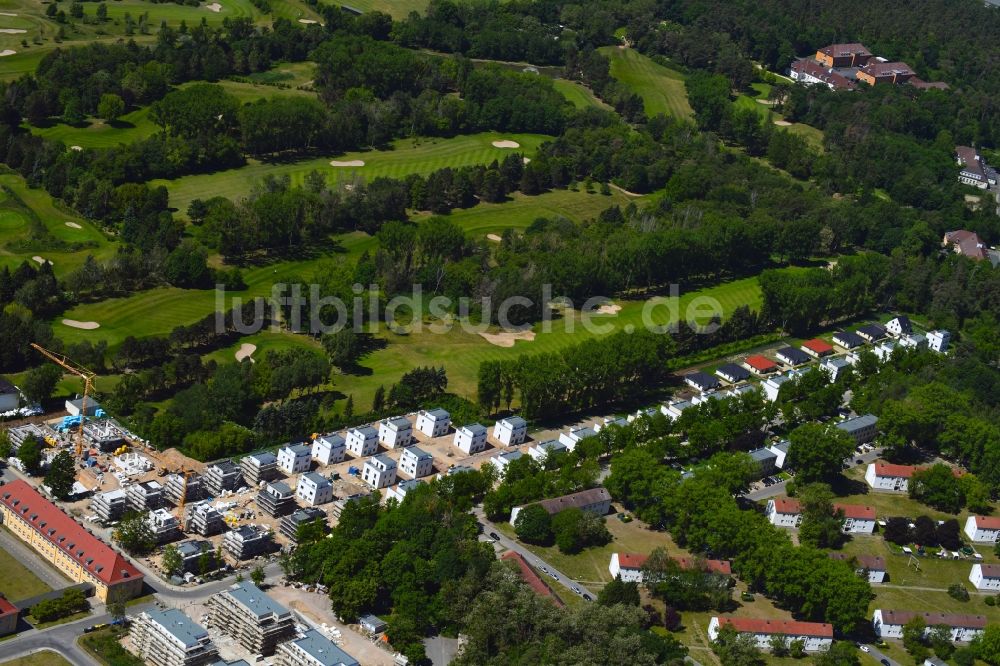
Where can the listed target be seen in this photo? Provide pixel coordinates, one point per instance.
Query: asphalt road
(879, 656)
(779, 488)
(534, 560)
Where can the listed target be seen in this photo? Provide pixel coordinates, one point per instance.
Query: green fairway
(408, 156)
(398, 9)
(291, 74)
(662, 89)
(18, 582)
(294, 10)
(66, 247)
(580, 95)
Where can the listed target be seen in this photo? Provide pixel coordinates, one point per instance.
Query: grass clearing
(580, 95)
(18, 582)
(63, 620)
(407, 156)
(661, 88)
(103, 645)
(292, 74)
(398, 9)
(41, 658)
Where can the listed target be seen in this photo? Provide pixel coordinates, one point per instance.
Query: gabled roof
(947, 619)
(6, 608)
(787, 505)
(856, 511)
(632, 560)
(850, 48)
(6, 387)
(830, 77)
(904, 323)
(736, 372)
(889, 469)
(761, 363)
(793, 355)
(576, 500)
(817, 345)
(702, 380)
(848, 339)
(873, 331)
(67, 535)
(637, 561)
(870, 562)
(784, 627)
(858, 423)
(534, 581)
(987, 522)
(990, 570)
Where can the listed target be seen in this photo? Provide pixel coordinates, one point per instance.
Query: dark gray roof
(6, 387)
(874, 331)
(515, 422)
(796, 356)
(438, 413)
(265, 458)
(253, 599)
(848, 339)
(474, 428)
(367, 432)
(737, 372)
(760, 455)
(418, 452)
(858, 423)
(300, 449)
(702, 380)
(904, 324)
(323, 650)
(320, 480)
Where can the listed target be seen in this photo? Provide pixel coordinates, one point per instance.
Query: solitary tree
(30, 455)
(61, 475)
(135, 535)
(172, 560)
(257, 576)
(111, 107)
(534, 525)
(39, 383)
(817, 452)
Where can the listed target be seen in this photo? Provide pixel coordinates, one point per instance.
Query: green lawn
(286, 73)
(398, 9)
(43, 658)
(103, 645)
(68, 246)
(407, 156)
(63, 620)
(293, 10)
(662, 89)
(809, 133)
(580, 95)
(18, 582)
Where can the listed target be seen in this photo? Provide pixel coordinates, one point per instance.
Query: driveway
(779, 488)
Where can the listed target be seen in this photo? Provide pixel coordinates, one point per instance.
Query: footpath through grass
(661, 88)
(407, 156)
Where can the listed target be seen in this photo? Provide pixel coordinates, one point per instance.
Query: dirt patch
(508, 338)
(347, 163)
(12, 31)
(85, 325)
(308, 21)
(493, 237)
(214, 7)
(608, 309)
(7, 52)
(245, 351)
(506, 143)
(73, 225)
(782, 123)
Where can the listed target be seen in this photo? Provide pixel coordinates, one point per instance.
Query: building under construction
(246, 542)
(104, 435)
(276, 499)
(144, 496)
(174, 488)
(109, 506)
(256, 621)
(259, 467)
(197, 557)
(222, 476)
(165, 527)
(204, 519)
(171, 638)
(289, 527)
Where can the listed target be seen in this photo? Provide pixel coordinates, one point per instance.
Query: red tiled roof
(6, 608)
(987, 522)
(947, 619)
(631, 560)
(787, 505)
(785, 627)
(828, 76)
(715, 566)
(990, 570)
(845, 49)
(856, 511)
(905, 471)
(95, 556)
(761, 363)
(818, 346)
(870, 562)
(533, 580)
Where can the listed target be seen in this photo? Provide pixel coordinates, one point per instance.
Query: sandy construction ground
(85, 325)
(245, 351)
(506, 143)
(508, 338)
(347, 163)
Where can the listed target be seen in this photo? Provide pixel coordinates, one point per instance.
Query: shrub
(990, 601)
(958, 591)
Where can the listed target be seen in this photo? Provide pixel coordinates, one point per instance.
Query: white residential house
(510, 431)
(619, 421)
(501, 460)
(780, 451)
(571, 438)
(816, 637)
(295, 459)
(899, 326)
(883, 350)
(938, 341)
(871, 567)
(395, 433)
(542, 450)
(858, 519)
(913, 341)
(772, 385)
(985, 576)
(964, 628)
(379, 471)
(329, 449)
(398, 491)
(314, 489)
(362, 441)
(784, 512)
(471, 438)
(982, 529)
(628, 566)
(835, 366)
(416, 462)
(433, 422)
(10, 396)
(673, 409)
(885, 476)
(708, 395)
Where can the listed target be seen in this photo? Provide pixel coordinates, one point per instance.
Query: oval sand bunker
(347, 163)
(245, 350)
(85, 325)
(506, 143)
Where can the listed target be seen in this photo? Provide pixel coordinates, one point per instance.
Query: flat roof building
(313, 649)
(259, 467)
(171, 638)
(255, 620)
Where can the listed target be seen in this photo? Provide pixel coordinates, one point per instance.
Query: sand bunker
(39, 260)
(12, 31)
(7, 14)
(7, 52)
(347, 163)
(525, 159)
(506, 143)
(73, 225)
(85, 325)
(76, 148)
(214, 7)
(493, 237)
(245, 350)
(508, 338)
(607, 309)
(308, 21)
(782, 123)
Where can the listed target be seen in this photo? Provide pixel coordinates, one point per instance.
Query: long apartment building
(171, 638)
(313, 649)
(256, 621)
(80, 555)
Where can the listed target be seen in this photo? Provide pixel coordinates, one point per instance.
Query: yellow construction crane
(88, 384)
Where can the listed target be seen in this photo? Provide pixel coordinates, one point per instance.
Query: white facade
(938, 341)
(780, 451)
(398, 492)
(500, 461)
(913, 341)
(510, 431)
(898, 326)
(434, 422)
(395, 433)
(985, 577)
(762, 630)
(982, 529)
(783, 513)
(883, 351)
(295, 459)
(570, 439)
(835, 367)
(772, 385)
(379, 472)
(541, 451)
(673, 409)
(314, 489)
(880, 476)
(471, 438)
(416, 462)
(629, 570)
(964, 628)
(329, 449)
(362, 441)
